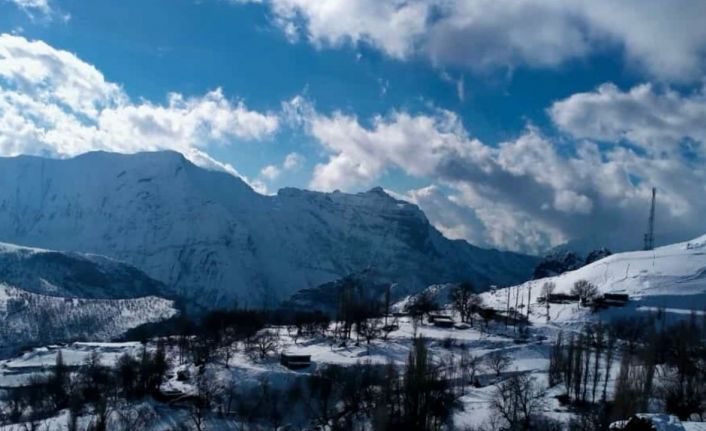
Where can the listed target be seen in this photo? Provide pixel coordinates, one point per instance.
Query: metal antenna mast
(650, 235)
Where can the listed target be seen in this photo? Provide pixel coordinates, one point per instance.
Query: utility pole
(650, 235)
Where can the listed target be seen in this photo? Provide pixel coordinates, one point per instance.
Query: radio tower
(650, 235)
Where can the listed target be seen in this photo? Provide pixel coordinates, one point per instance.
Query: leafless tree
(369, 329)
(465, 301)
(229, 345)
(207, 390)
(498, 361)
(518, 401)
(469, 365)
(133, 417)
(263, 344)
(584, 290)
(547, 291)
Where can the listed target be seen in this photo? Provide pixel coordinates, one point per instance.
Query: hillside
(670, 278)
(29, 318)
(212, 239)
(74, 275)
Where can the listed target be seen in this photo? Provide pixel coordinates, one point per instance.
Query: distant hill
(670, 279)
(74, 275)
(28, 318)
(49, 296)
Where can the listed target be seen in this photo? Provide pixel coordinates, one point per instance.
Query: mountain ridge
(73, 275)
(212, 239)
(670, 279)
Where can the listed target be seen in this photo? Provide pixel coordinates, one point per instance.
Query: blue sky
(519, 125)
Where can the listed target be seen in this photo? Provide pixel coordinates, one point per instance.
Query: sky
(514, 124)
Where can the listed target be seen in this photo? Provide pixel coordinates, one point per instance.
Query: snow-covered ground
(29, 319)
(670, 278)
(530, 356)
(17, 371)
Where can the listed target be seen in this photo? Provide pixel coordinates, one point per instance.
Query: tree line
(657, 366)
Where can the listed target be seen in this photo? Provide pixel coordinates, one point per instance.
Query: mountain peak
(378, 191)
(213, 240)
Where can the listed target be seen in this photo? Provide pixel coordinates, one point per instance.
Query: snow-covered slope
(671, 278)
(30, 318)
(212, 239)
(72, 275)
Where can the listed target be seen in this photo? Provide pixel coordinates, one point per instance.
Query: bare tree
(497, 361)
(547, 291)
(207, 389)
(263, 344)
(584, 290)
(324, 393)
(599, 346)
(389, 327)
(422, 305)
(529, 298)
(469, 365)
(133, 417)
(517, 401)
(273, 404)
(369, 329)
(609, 352)
(466, 301)
(229, 345)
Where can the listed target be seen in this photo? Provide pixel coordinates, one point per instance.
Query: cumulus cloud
(482, 34)
(358, 154)
(392, 26)
(271, 172)
(291, 163)
(53, 103)
(528, 193)
(454, 219)
(657, 121)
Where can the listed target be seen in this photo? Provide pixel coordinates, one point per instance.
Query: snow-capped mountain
(670, 278)
(73, 275)
(29, 318)
(208, 236)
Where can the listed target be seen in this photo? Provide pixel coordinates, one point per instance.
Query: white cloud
(483, 34)
(43, 9)
(453, 219)
(55, 104)
(271, 172)
(392, 26)
(665, 39)
(293, 161)
(42, 72)
(657, 121)
(360, 154)
(41, 6)
(527, 194)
